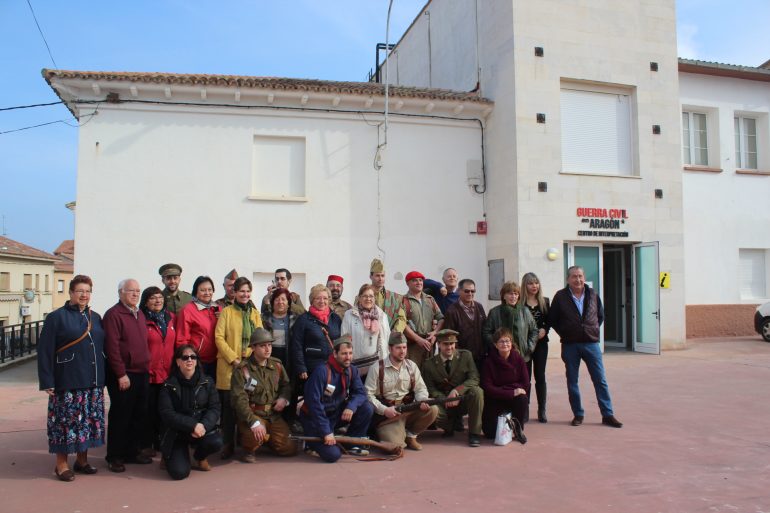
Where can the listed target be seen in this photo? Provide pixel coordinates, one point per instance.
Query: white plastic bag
(503, 433)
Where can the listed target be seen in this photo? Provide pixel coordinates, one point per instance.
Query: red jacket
(196, 327)
(161, 350)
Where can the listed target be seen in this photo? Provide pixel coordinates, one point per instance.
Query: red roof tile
(12, 248)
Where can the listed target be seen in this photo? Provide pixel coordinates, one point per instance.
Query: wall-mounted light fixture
(656, 129)
(653, 66)
(552, 254)
(541, 117)
(539, 51)
(659, 193)
(542, 186)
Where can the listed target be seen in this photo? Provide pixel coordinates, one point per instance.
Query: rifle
(386, 447)
(415, 405)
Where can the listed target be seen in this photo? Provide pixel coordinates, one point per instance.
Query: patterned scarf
(248, 324)
(202, 306)
(370, 318)
(159, 318)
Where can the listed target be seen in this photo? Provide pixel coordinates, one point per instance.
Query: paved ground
(697, 438)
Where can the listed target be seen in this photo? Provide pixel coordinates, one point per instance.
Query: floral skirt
(75, 420)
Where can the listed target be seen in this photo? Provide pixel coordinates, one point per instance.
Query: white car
(762, 321)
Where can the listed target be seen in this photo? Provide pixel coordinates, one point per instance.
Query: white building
(26, 278)
(726, 159)
(583, 146)
(221, 172)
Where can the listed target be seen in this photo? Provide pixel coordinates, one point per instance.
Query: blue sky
(331, 39)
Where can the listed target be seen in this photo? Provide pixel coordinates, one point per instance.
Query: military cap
(344, 339)
(446, 336)
(334, 277)
(232, 275)
(170, 270)
(396, 337)
(377, 266)
(260, 336)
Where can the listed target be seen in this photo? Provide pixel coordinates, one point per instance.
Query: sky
(324, 39)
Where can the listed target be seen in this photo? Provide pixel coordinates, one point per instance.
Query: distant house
(26, 276)
(63, 269)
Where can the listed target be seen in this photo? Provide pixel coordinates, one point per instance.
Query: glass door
(646, 312)
(614, 297)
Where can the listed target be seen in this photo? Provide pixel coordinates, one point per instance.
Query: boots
(541, 391)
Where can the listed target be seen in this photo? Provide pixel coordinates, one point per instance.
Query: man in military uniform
(260, 391)
(337, 304)
(282, 280)
(335, 397)
(452, 373)
(393, 381)
(390, 302)
(227, 284)
(176, 299)
(424, 319)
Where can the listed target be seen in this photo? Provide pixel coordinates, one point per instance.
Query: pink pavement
(696, 438)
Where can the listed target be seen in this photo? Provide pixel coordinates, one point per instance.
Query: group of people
(185, 372)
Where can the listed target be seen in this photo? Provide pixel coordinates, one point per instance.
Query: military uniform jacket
(176, 302)
(340, 307)
(272, 383)
(463, 374)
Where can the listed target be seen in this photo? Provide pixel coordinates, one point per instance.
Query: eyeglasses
(469, 291)
(187, 357)
(81, 292)
(505, 341)
(367, 296)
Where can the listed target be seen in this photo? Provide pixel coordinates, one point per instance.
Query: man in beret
(423, 316)
(336, 397)
(390, 302)
(337, 304)
(176, 299)
(227, 284)
(452, 373)
(259, 391)
(393, 381)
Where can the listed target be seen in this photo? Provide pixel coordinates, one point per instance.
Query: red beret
(414, 274)
(334, 277)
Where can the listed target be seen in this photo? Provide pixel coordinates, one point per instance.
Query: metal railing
(18, 340)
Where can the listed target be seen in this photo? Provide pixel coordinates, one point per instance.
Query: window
(47, 284)
(60, 286)
(37, 282)
(27, 281)
(753, 281)
(496, 277)
(745, 143)
(278, 168)
(596, 131)
(695, 151)
(5, 281)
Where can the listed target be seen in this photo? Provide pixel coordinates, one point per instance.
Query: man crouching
(335, 398)
(393, 381)
(259, 393)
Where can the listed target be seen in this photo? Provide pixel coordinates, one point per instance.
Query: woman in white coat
(369, 327)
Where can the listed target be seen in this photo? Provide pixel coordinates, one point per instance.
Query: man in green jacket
(452, 373)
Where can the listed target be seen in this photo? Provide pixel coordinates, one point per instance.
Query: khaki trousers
(279, 440)
(472, 405)
(415, 422)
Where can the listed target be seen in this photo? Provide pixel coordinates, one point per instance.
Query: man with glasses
(467, 317)
(128, 378)
(282, 280)
(337, 304)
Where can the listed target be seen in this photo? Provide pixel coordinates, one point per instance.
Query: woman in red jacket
(161, 336)
(196, 323)
(505, 381)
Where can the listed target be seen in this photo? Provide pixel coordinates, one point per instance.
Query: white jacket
(368, 347)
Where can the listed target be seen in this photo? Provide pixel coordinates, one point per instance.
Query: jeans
(357, 427)
(589, 352)
(178, 463)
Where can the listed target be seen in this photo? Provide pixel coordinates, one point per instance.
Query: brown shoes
(577, 420)
(611, 421)
(116, 466)
(249, 457)
(86, 468)
(202, 465)
(413, 444)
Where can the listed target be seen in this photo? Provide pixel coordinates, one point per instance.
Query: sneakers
(358, 451)
(577, 420)
(518, 431)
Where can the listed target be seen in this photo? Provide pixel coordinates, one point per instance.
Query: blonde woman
(313, 333)
(538, 306)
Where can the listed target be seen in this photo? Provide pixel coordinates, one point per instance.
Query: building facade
(62, 272)
(26, 280)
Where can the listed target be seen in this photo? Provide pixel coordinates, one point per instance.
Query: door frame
(622, 344)
(600, 289)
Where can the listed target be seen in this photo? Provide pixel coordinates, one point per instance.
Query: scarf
(248, 324)
(370, 318)
(321, 315)
(334, 364)
(187, 391)
(202, 306)
(508, 315)
(159, 318)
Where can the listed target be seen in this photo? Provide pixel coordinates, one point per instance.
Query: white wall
(724, 211)
(162, 184)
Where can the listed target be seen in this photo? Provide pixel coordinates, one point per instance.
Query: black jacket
(565, 318)
(179, 417)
